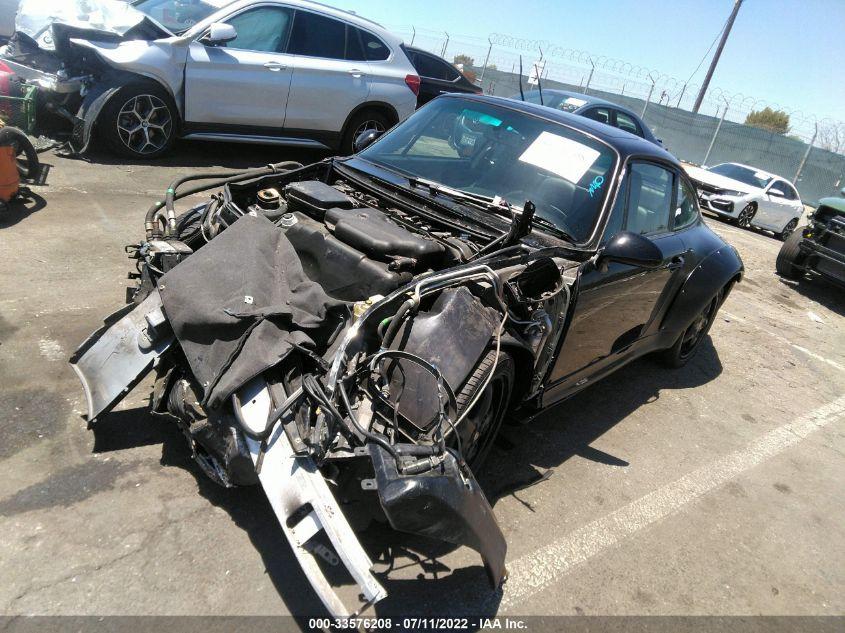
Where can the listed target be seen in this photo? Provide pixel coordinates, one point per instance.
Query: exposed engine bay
(337, 346)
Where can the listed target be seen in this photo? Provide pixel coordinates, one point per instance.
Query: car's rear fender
(716, 271)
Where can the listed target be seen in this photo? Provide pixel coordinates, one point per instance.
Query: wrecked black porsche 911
(354, 332)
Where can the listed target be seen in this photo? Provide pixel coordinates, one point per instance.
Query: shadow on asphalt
(201, 154)
(27, 203)
(821, 291)
(427, 584)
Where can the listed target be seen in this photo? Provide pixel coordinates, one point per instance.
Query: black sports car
(354, 332)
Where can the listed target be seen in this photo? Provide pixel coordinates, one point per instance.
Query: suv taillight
(413, 82)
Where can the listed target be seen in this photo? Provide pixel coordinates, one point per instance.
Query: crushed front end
(342, 348)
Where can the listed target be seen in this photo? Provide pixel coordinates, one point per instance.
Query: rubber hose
(396, 323)
(150, 226)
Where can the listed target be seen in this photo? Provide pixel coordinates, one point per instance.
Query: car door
(438, 77)
(616, 303)
(330, 73)
(778, 208)
(244, 82)
(625, 121)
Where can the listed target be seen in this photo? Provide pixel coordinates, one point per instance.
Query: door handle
(356, 73)
(274, 66)
(676, 263)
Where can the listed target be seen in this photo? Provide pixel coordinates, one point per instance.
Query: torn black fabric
(241, 303)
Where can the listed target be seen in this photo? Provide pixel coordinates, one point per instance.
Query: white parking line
(535, 572)
(803, 350)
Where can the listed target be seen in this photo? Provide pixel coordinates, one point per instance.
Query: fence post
(650, 90)
(445, 45)
(590, 78)
(486, 60)
(683, 90)
(715, 134)
(806, 155)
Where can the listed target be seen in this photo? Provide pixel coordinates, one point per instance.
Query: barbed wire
(615, 75)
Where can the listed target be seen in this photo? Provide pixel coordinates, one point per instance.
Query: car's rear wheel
(788, 230)
(788, 257)
(363, 121)
(139, 121)
(479, 428)
(746, 215)
(690, 340)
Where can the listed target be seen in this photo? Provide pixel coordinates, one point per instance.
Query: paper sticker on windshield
(562, 156)
(573, 101)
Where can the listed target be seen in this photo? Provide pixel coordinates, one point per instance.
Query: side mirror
(632, 249)
(219, 33)
(364, 140)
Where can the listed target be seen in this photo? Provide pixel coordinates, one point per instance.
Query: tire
(489, 412)
(690, 339)
(787, 230)
(29, 167)
(361, 121)
(139, 121)
(786, 263)
(745, 216)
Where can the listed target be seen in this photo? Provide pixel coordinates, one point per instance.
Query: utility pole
(716, 56)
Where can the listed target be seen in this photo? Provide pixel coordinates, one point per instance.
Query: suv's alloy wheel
(144, 124)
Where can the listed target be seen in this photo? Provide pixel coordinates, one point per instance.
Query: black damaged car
(353, 333)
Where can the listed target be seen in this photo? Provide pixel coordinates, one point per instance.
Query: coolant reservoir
(360, 307)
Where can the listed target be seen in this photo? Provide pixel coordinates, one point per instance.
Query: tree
(776, 121)
(466, 60)
(832, 137)
(491, 67)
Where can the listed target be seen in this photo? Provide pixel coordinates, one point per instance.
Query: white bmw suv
(287, 72)
(748, 196)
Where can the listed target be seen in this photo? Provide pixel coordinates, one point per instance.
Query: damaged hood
(94, 19)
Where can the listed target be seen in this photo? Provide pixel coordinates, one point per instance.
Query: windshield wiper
(553, 228)
(435, 189)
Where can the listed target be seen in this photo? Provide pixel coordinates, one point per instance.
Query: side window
(263, 29)
(602, 115)
(785, 189)
(650, 199)
(617, 213)
(317, 36)
(793, 192)
(625, 122)
(685, 212)
(433, 68)
(374, 49)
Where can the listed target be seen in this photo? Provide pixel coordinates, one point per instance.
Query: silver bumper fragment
(304, 506)
(117, 356)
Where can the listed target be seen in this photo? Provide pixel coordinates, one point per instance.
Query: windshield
(742, 174)
(488, 151)
(179, 15)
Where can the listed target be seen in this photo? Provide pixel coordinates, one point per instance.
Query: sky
(786, 52)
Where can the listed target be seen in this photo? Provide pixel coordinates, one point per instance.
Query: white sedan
(748, 196)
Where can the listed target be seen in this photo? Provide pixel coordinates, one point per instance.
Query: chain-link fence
(809, 153)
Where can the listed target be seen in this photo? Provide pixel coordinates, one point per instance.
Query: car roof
(318, 7)
(625, 143)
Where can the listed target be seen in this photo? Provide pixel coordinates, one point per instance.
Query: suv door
(244, 82)
(616, 304)
(330, 73)
(438, 77)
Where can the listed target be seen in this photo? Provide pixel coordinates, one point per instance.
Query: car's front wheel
(690, 340)
(480, 426)
(746, 215)
(788, 230)
(139, 121)
(787, 262)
